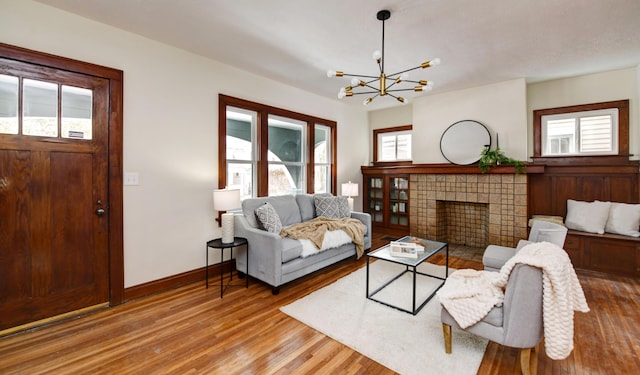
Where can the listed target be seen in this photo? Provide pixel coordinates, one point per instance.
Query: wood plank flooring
(190, 330)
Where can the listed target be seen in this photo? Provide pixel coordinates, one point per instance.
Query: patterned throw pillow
(268, 217)
(332, 207)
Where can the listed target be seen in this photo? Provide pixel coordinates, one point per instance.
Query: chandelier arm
(360, 75)
(397, 90)
(366, 92)
(404, 71)
(373, 88)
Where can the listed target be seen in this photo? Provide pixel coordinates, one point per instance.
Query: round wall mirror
(463, 142)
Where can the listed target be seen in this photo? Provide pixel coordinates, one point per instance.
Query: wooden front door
(54, 237)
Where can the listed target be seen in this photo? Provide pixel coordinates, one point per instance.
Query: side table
(218, 244)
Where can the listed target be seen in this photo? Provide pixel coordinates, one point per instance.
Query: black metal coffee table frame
(411, 265)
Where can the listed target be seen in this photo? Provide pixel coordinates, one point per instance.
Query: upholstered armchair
(517, 323)
(495, 256)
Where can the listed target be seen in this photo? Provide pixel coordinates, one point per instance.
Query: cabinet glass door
(399, 201)
(375, 199)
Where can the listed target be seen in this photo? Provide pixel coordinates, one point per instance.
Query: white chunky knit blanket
(562, 294)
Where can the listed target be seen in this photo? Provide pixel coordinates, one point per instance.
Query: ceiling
(297, 41)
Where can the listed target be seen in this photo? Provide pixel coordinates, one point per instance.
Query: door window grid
(41, 104)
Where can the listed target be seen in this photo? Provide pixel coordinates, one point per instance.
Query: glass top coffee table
(411, 264)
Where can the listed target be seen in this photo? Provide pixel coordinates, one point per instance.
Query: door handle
(99, 211)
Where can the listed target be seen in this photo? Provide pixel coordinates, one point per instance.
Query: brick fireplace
(504, 197)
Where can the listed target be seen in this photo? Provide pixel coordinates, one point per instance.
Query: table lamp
(350, 189)
(225, 200)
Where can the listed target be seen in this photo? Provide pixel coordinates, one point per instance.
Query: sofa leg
(446, 330)
(275, 290)
(525, 361)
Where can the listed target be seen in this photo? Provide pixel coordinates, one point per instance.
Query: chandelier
(388, 83)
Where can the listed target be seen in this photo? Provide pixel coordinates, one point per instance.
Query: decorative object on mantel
(493, 158)
(461, 143)
(394, 79)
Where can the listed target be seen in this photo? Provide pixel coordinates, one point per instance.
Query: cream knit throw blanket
(562, 294)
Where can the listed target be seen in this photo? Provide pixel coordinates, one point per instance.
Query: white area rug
(400, 341)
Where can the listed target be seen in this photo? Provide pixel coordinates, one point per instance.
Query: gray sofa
(276, 260)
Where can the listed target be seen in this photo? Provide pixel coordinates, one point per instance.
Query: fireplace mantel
(445, 168)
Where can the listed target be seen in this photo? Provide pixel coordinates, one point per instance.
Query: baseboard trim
(174, 281)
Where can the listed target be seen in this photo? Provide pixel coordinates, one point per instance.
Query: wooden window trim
(394, 129)
(263, 111)
(623, 131)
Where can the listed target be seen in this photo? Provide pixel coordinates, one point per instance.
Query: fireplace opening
(462, 223)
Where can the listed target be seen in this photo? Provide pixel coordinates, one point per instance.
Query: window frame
(623, 128)
(261, 184)
(396, 129)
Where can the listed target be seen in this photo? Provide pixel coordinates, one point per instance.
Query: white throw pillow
(587, 216)
(624, 219)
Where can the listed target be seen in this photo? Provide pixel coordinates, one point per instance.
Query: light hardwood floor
(190, 330)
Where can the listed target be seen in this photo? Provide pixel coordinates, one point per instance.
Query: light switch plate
(131, 178)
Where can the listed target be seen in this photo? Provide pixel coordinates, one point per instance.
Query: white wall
(170, 129)
(592, 88)
(501, 107)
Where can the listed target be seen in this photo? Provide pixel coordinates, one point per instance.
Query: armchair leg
(525, 361)
(446, 330)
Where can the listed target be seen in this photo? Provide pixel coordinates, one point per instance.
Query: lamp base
(227, 228)
(350, 201)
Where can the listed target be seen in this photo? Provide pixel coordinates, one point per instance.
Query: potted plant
(493, 158)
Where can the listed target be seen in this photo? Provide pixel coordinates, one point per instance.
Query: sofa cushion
(307, 204)
(624, 219)
(332, 207)
(285, 205)
(291, 249)
(587, 216)
(268, 218)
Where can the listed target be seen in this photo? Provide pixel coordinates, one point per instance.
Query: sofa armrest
(265, 252)
(365, 218)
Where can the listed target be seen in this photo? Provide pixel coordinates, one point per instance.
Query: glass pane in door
(77, 110)
(8, 104)
(40, 108)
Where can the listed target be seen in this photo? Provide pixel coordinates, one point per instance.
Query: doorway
(60, 186)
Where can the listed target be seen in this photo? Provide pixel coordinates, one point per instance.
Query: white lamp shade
(227, 199)
(350, 189)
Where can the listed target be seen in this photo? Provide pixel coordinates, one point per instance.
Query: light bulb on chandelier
(383, 89)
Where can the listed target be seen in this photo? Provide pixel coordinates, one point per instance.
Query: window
(322, 152)
(581, 133)
(270, 151)
(600, 129)
(392, 144)
(41, 102)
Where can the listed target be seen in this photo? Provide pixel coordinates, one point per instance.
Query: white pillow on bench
(587, 216)
(624, 218)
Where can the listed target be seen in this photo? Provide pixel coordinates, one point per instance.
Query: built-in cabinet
(386, 199)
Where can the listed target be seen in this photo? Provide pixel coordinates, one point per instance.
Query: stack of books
(405, 249)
